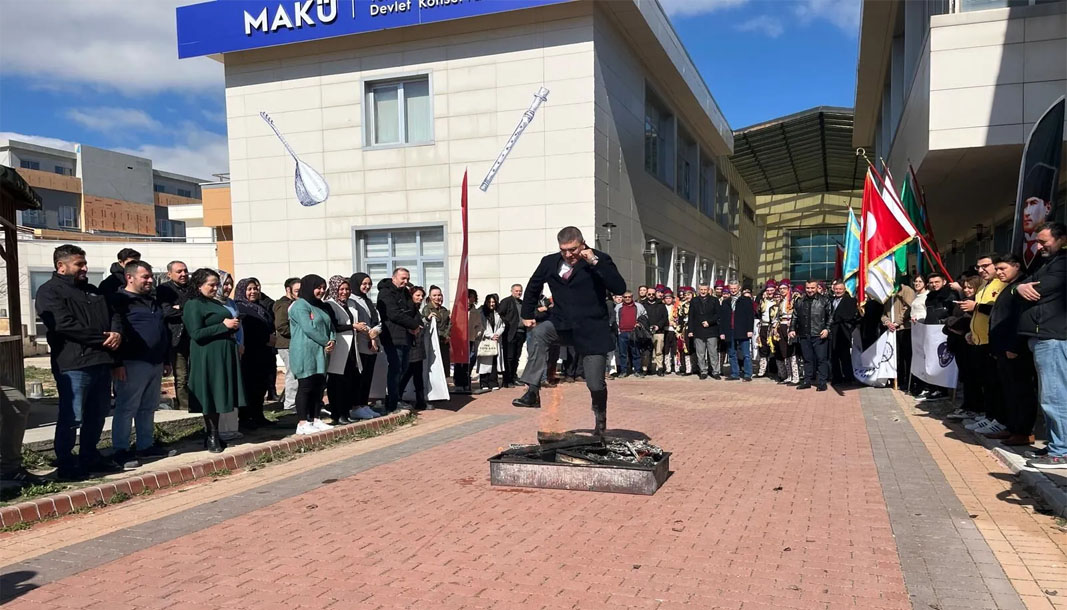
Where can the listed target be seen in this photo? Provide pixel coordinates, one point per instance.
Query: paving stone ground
(778, 499)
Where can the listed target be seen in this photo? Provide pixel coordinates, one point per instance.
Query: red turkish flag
(885, 226)
(458, 338)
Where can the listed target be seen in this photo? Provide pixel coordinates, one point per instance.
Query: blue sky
(107, 73)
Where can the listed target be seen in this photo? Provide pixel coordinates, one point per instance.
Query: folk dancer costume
(765, 325)
(680, 325)
(784, 347)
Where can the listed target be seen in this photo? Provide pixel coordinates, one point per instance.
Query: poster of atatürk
(1038, 177)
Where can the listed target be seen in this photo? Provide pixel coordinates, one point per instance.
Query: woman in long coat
(345, 367)
(310, 346)
(492, 328)
(366, 342)
(257, 361)
(215, 384)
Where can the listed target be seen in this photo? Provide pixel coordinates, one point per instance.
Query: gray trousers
(538, 341)
(14, 411)
(289, 398)
(708, 352)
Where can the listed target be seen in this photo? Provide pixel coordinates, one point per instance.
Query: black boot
(531, 399)
(600, 412)
(213, 442)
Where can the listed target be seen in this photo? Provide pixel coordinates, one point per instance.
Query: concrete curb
(1032, 479)
(65, 503)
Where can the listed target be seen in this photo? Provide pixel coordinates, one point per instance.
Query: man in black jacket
(703, 327)
(940, 300)
(844, 317)
(172, 295)
(1044, 322)
(580, 279)
(83, 335)
(736, 321)
(658, 323)
(514, 333)
(810, 325)
(144, 361)
(117, 280)
(400, 325)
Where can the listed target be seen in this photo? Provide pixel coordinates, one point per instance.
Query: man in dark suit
(810, 326)
(514, 334)
(843, 320)
(703, 328)
(736, 321)
(580, 279)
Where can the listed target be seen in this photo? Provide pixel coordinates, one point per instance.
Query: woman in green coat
(214, 364)
(311, 340)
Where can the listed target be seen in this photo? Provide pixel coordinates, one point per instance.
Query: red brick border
(70, 501)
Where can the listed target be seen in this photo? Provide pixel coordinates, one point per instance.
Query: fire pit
(579, 462)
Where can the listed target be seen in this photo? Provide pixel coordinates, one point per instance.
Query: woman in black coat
(258, 368)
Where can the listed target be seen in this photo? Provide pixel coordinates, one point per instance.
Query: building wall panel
(104, 214)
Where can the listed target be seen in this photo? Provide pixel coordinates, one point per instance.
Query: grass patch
(118, 497)
(35, 460)
(147, 491)
(17, 527)
(48, 382)
(222, 472)
(45, 489)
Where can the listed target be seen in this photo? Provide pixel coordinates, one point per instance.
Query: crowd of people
(221, 340)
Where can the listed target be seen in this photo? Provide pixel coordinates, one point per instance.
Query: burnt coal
(580, 449)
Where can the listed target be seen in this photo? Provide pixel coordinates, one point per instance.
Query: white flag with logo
(877, 365)
(434, 375)
(931, 359)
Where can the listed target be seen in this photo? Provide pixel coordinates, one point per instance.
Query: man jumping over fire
(579, 279)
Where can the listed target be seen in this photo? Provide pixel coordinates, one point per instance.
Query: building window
(29, 164)
(659, 134)
(399, 112)
(159, 188)
(68, 217)
(63, 171)
(657, 262)
(34, 218)
(722, 200)
(707, 186)
(813, 252)
(735, 209)
(686, 165)
(163, 227)
(185, 193)
(420, 250)
(750, 213)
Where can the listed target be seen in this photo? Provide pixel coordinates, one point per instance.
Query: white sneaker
(320, 425)
(305, 429)
(364, 412)
(991, 428)
(977, 423)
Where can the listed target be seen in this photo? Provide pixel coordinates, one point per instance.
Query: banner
(931, 360)
(1038, 178)
(877, 365)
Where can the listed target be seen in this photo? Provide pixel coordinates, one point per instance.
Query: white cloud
(129, 46)
(763, 24)
(845, 14)
(110, 119)
(38, 140)
(697, 7)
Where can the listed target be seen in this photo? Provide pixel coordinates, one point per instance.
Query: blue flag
(852, 253)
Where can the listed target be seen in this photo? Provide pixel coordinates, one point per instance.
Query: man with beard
(579, 279)
(658, 322)
(810, 326)
(173, 295)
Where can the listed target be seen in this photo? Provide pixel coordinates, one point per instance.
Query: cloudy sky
(106, 73)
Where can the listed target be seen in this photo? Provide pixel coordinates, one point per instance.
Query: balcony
(167, 200)
(49, 180)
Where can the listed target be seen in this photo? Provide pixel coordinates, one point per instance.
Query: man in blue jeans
(628, 316)
(83, 335)
(143, 358)
(736, 321)
(1044, 322)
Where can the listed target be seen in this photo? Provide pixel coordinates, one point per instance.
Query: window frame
(665, 139)
(29, 164)
(73, 220)
(836, 233)
(362, 262)
(367, 86)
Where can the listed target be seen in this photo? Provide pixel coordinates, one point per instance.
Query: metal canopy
(807, 152)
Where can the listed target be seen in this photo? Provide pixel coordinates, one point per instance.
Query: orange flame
(550, 415)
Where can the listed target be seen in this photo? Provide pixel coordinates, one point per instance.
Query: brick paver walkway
(775, 502)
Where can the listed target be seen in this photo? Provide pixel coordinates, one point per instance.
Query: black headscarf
(255, 308)
(354, 284)
(308, 284)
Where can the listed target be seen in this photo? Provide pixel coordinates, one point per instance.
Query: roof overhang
(806, 152)
(877, 25)
(15, 188)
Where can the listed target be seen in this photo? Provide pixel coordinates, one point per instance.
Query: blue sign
(223, 26)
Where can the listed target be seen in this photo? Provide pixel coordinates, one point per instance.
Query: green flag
(911, 207)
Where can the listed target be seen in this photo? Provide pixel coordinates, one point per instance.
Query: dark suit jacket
(579, 311)
(738, 325)
(843, 320)
(703, 309)
(509, 312)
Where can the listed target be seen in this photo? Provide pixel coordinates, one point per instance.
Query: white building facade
(629, 147)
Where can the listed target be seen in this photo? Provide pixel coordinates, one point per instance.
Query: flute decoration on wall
(527, 117)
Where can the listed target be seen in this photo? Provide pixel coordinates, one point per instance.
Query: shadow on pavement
(14, 584)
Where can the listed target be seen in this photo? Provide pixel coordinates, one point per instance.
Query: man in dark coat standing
(736, 321)
(173, 295)
(703, 328)
(514, 333)
(810, 326)
(580, 279)
(844, 317)
(401, 324)
(116, 281)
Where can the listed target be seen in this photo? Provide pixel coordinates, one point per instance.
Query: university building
(953, 88)
(393, 102)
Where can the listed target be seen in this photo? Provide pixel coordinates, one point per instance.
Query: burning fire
(550, 416)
